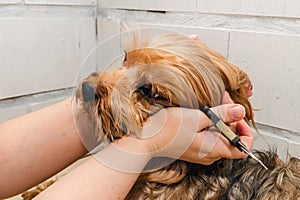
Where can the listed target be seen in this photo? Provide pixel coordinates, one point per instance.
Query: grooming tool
(229, 134)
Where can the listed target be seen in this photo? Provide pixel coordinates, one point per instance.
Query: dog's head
(164, 71)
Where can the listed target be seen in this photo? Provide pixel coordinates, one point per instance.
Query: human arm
(36, 146)
(101, 178)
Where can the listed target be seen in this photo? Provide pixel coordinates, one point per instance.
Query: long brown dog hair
(165, 71)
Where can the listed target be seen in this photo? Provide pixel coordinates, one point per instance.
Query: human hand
(182, 133)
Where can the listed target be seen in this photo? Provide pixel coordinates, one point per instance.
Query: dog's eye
(146, 91)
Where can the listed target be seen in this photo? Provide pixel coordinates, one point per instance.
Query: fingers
(249, 92)
(215, 142)
(245, 133)
(194, 37)
(228, 113)
(226, 98)
(184, 130)
(246, 136)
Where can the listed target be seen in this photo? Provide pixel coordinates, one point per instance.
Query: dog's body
(174, 70)
(241, 179)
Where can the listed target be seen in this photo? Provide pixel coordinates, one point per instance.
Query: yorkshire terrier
(173, 70)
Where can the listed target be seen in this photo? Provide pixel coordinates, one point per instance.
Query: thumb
(227, 112)
(230, 112)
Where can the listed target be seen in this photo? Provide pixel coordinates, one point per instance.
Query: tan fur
(177, 70)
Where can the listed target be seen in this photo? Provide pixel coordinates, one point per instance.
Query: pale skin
(38, 145)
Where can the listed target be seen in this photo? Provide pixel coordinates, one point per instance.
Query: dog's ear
(88, 92)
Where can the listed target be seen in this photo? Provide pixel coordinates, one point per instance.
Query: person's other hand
(184, 134)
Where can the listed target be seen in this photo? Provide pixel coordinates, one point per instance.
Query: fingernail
(238, 112)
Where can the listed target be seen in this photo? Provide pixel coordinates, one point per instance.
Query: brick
(87, 47)
(110, 54)
(38, 55)
(10, 1)
(157, 5)
(292, 8)
(13, 112)
(253, 7)
(272, 63)
(61, 2)
(215, 6)
(294, 149)
(260, 7)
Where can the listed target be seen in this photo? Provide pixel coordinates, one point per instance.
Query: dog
(170, 70)
(173, 70)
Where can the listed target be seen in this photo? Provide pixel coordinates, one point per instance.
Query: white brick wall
(109, 40)
(42, 46)
(10, 1)
(157, 5)
(279, 8)
(61, 2)
(32, 47)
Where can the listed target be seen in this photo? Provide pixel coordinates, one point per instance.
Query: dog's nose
(88, 92)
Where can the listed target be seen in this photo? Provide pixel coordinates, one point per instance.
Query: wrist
(133, 145)
(128, 155)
